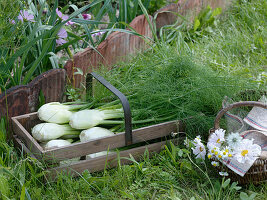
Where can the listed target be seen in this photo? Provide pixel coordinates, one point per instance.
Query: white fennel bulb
(50, 131)
(94, 133)
(54, 112)
(101, 153)
(56, 143)
(60, 143)
(86, 119)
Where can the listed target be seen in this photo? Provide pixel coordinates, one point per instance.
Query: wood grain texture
(111, 142)
(116, 47)
(22, 147)
(144, 134)
(24, 99)
(109, 161)
(26, 137)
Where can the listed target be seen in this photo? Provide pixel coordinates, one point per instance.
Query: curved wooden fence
(25, 98)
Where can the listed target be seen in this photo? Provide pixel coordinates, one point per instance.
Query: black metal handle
(123, 99)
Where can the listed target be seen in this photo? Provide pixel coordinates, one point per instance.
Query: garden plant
(185, 74)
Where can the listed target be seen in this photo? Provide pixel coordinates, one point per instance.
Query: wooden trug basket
(258, 171)
(159, 134)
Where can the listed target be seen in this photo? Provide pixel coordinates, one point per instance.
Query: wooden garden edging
(25, 98)
(118, 45)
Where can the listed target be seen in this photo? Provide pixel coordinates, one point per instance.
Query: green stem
(111, 114)
(81, 106)
(112, 122)
(138, 121)
(69, 53)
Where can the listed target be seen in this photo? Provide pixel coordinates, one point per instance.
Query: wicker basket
(258, 171)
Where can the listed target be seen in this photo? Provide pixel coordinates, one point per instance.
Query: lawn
(195, 70)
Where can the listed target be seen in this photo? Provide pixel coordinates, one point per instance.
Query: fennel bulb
(94, 133)
(56, 143)
(101, 153)
(60, 143)
(85, 119)
(50, 131)
(54, 112)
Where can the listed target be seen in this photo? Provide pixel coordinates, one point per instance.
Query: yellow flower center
(216, 152)
(244, 152)
(224, 153)
(218, 141)
(209, 156)
(226, 150)
(220, 156)
(229, 155)
(214, 164)
(212, 151)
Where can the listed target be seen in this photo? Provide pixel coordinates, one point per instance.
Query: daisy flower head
(246, 151)
(215, 164)
(223, 173)
(199, 151)
(210, 156)
(226, 152)
(213, 150)
(211, 145)
(219, 154)
(217, 138)
(233, 139)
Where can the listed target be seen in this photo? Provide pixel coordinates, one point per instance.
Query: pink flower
(25, 16)
(86, 16)
(61, 35)
(98, 34)
(12, 21)
(61, 16)
(70, 23)
(64, 17)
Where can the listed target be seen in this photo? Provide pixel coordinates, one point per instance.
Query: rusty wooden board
(24, 99)
(116, 47)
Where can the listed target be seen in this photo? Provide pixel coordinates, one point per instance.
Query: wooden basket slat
(99, 163)
(20, 144)
(111, 142)
(29, 141)
(85, 148)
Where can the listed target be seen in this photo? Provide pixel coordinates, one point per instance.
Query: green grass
(238, 44)
(173, 173)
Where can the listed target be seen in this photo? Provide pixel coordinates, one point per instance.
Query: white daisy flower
(210, 145)
(199, 150)
(246, 151)
(223, 173)
(213, 150)
(215, 164)
(219, 154)
(233, 139)
(210, 156)
(226, 152)
(217, 137)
